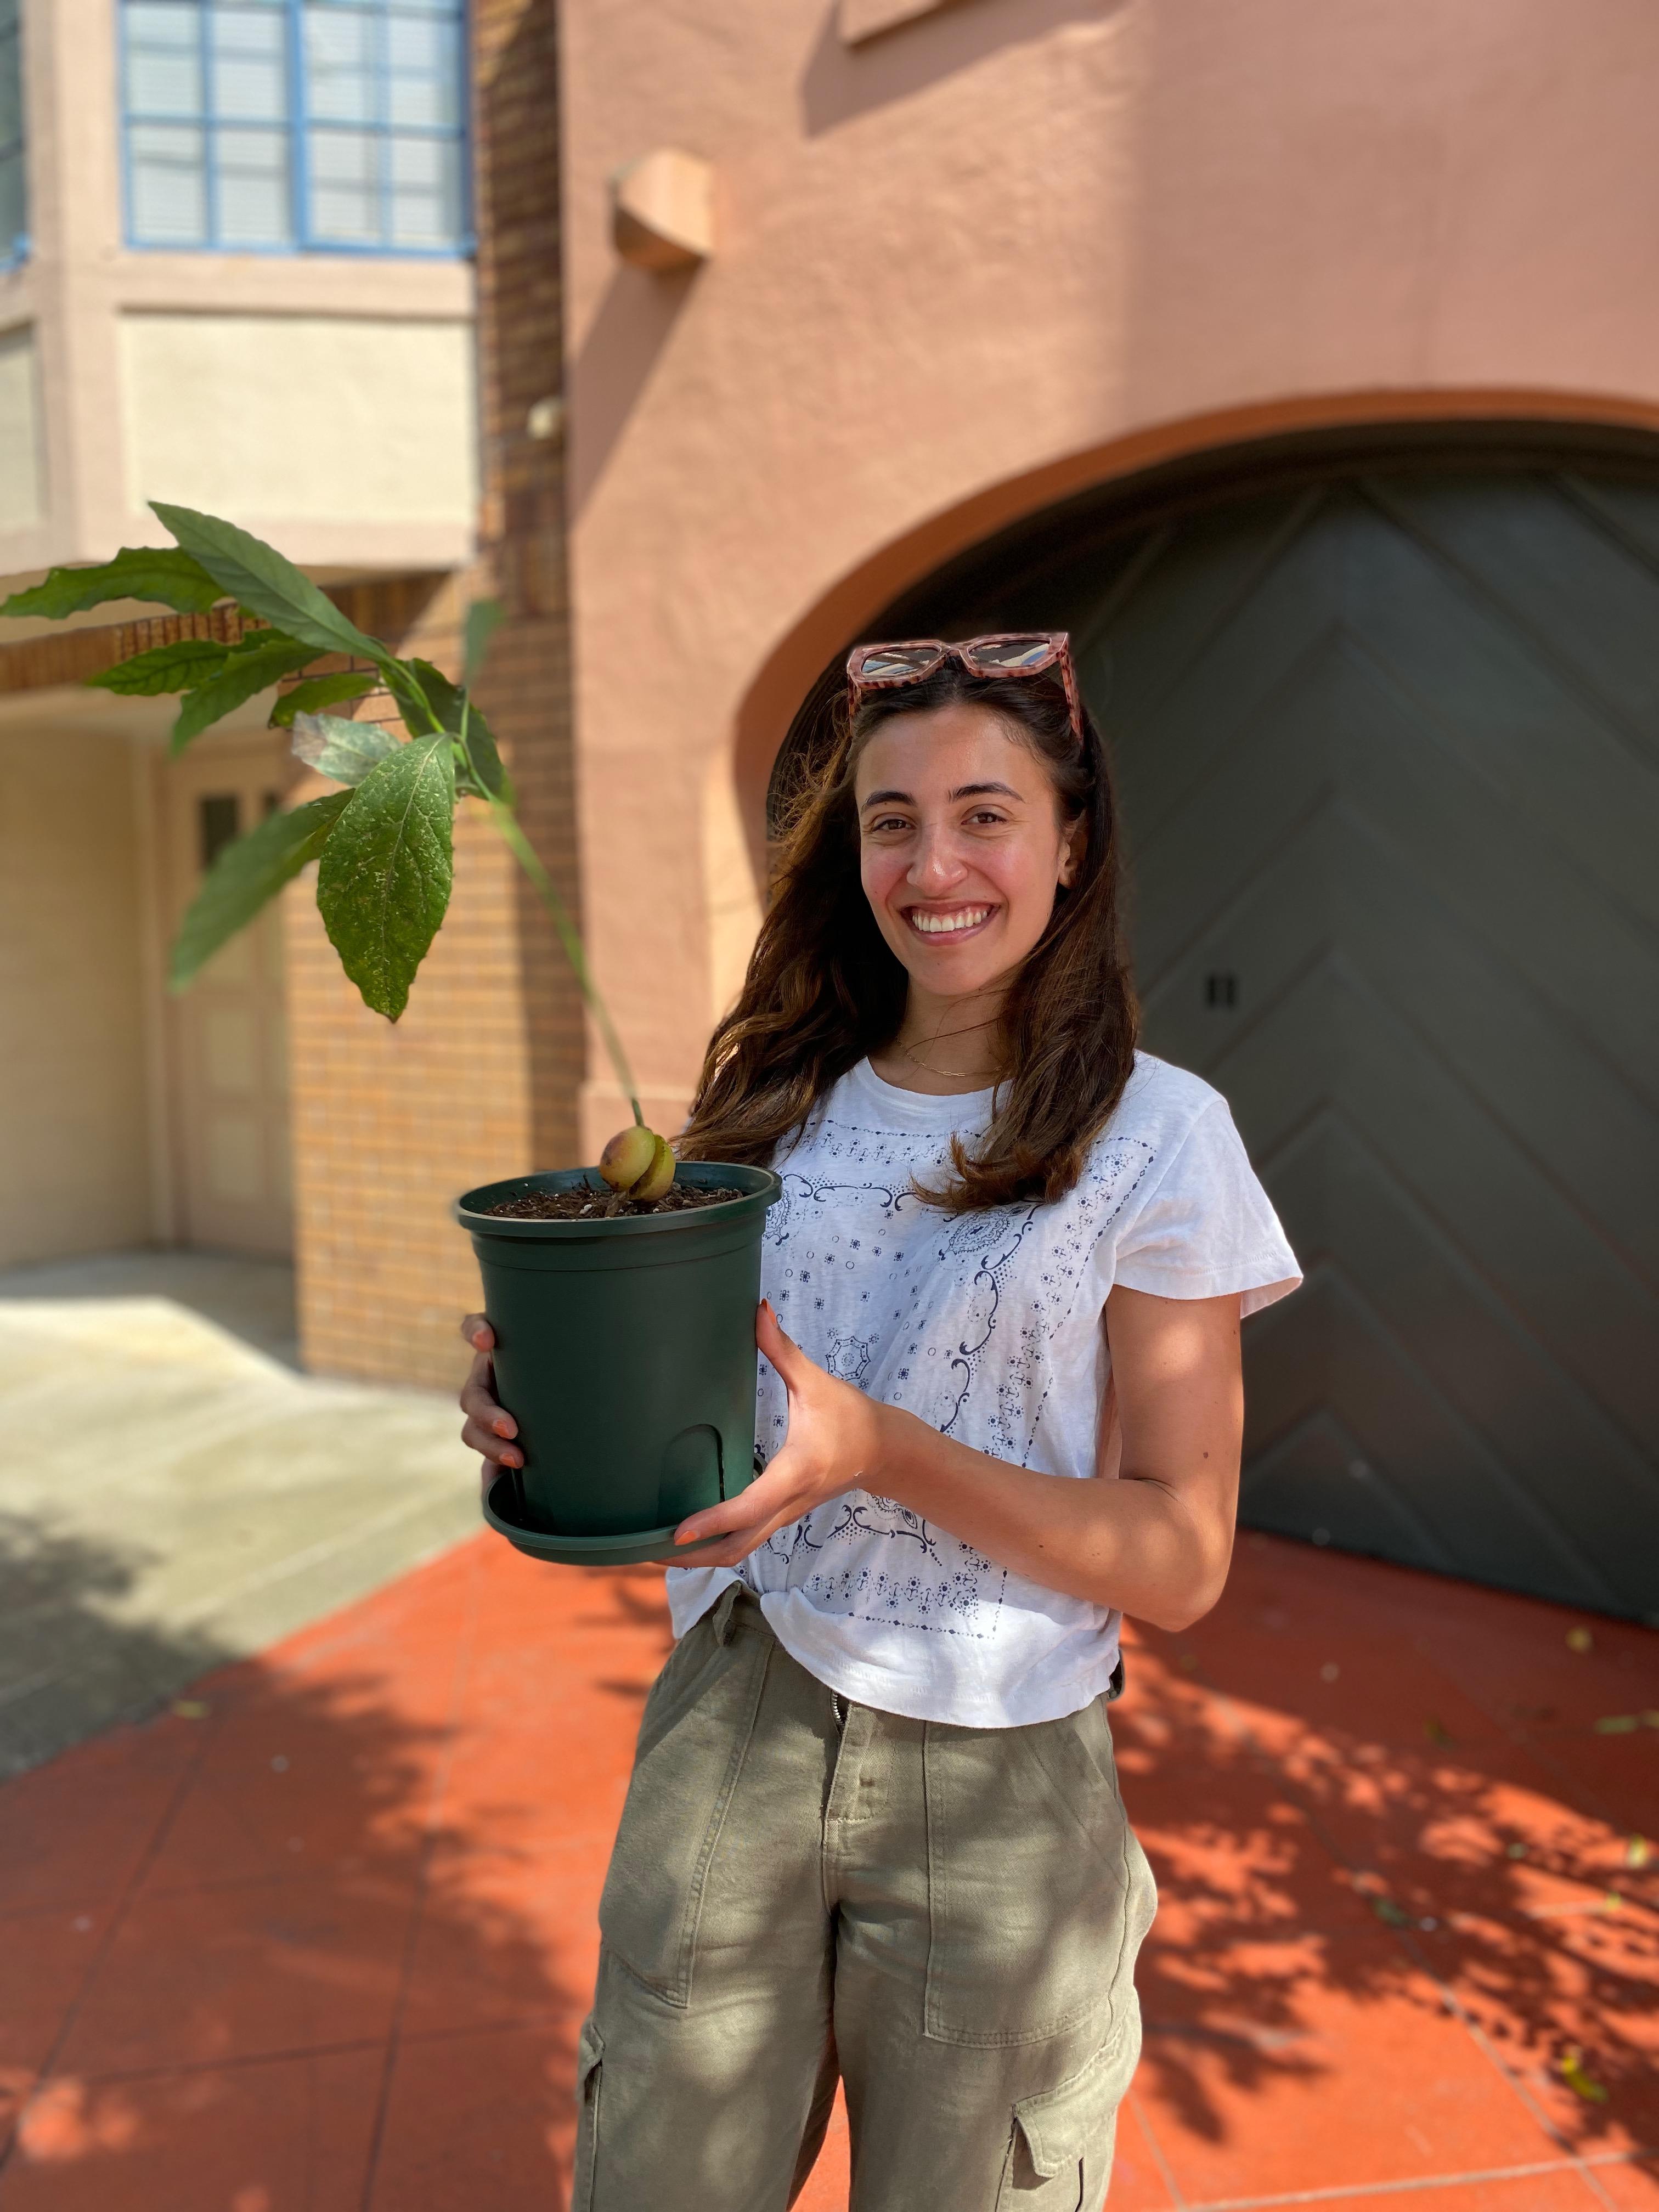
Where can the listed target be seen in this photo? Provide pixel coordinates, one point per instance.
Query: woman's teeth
(942, 924)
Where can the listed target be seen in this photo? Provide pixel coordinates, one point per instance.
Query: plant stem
(506, 821)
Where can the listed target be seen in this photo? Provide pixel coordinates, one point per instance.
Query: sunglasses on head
(1006, 652)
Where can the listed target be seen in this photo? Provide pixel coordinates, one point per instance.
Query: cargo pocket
(1060, 2147)
(693, 1739)
(590, 2067)
(1029, 1879)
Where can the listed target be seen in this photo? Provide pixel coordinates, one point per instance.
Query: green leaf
(258, 577)
(251, 667)
(246, 874)
(161, 574)
(319, 691)
(384, 881)
(484, 775)
(345, 750)
(484, 619)
(164, 668)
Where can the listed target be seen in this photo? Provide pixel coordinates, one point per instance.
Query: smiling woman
(873, 1828)
(979, 932)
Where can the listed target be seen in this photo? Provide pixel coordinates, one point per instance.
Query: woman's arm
(1155, 1542)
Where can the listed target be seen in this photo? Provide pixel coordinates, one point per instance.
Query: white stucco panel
(23, 472)
(319, 418)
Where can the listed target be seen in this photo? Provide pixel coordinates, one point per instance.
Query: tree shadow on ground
(276, 1944)
(1308, 1870)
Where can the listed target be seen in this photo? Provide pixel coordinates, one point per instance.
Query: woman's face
(961, 846)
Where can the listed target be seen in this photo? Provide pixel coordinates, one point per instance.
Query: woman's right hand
(489, 1428)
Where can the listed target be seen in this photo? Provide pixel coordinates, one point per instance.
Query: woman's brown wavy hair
(824, 989)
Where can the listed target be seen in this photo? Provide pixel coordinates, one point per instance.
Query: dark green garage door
(1388, 747)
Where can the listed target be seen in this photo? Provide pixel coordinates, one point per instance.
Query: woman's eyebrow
(962, 791)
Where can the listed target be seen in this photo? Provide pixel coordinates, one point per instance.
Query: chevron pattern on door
(1388, 752)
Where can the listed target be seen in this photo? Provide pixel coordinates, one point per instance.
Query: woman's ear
(1071, 855)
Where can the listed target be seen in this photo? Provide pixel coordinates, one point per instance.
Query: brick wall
(480, 1077)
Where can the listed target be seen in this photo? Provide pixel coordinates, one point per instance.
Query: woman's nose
(937, 865)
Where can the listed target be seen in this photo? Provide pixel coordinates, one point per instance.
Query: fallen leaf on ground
(1580, 1639)
(1395, 1914)
(1436, 1731)
(1570, 2067)
(1619, 1724)
(190, 1709)
(1638, 1851)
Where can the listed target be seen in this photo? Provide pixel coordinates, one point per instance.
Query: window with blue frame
(14, 179)
(296, 125)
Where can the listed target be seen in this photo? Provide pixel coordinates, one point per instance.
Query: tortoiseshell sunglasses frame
(1058, 643)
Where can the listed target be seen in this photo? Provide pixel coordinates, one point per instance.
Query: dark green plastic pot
(625, 1349)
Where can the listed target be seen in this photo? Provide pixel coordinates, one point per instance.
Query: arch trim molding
(1245, 442)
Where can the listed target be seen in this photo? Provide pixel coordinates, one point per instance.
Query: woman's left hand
(832, 1441)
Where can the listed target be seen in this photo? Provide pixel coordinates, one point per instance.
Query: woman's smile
(954, 922)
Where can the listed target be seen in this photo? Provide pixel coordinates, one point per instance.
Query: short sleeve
(1207, 1227)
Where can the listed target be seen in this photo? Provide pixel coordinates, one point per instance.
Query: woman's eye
(887, 822)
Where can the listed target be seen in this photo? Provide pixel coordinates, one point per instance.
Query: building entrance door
(228, 1051)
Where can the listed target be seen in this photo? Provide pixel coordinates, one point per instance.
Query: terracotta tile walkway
(319, 1939)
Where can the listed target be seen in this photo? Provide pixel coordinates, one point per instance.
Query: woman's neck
(944, 1046)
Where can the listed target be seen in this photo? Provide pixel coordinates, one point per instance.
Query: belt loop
(725, 1607)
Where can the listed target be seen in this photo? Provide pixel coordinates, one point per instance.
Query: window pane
(425, 83)
(250, 64)
(164, 65)
(340, 65)
(14, 219)
(426, 193)
(345, 190)
(254, 200)
(169, 195)
(11, 92)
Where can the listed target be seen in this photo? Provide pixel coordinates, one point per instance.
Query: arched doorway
(1386, 724)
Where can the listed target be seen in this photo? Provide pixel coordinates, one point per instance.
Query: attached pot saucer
(501, 1509)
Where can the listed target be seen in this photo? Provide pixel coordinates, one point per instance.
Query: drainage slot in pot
(693, 1474)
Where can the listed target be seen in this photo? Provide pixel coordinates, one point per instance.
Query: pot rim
(757, 1188)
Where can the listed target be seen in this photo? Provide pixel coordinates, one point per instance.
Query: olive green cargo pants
(802, 1887)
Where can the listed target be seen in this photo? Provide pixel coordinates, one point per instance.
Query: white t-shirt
(988, 1325)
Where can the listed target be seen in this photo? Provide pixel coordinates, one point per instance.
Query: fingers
(478, 1332)
(481, 1437)
(785, 1354)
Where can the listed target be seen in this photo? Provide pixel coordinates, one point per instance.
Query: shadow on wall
(263, 1950)
(623, 345)
(843, 82)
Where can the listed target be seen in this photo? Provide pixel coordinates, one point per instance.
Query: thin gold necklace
(913, 1052)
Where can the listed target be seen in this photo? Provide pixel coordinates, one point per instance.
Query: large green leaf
(246, 874)
(250, 668)
(164, 668)
(384, 881)
(158, 574)
(319, 691)
(345, 750)
(258, 577)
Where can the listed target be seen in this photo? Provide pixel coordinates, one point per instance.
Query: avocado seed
(638, 1164)
(630, 1154)
(657, 1176)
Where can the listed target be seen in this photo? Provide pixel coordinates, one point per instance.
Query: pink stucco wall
(1012, 248)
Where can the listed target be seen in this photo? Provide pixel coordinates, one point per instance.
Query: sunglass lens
(885, 660)
(1015, 654)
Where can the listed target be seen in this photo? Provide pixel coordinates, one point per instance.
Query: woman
(873, 1830)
